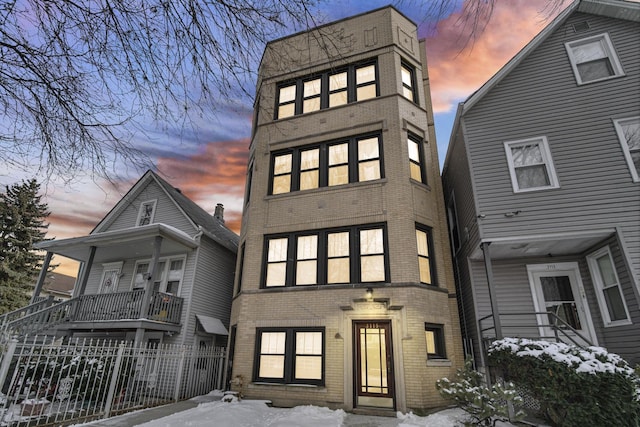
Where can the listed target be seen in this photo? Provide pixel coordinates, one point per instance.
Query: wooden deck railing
(101, 307)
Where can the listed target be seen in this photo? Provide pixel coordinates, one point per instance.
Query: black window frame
(439, 342)
(322, 255)
(431, 254)
(412, 73)
(323, 178)
(324, 87)
(240, 268)
(422, 164)
(289, 356)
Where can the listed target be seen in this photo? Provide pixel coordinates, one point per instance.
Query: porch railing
(24, 311)
(518, 323)
(101, 307)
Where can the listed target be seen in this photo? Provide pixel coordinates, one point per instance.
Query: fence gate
(49, 382)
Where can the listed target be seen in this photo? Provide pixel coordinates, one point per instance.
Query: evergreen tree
(22, 224)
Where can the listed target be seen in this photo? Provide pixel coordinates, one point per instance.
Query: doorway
(557, 289)
(373, 364)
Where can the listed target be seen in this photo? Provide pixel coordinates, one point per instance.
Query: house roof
(59, 283)
(618, 9)
(199, 218)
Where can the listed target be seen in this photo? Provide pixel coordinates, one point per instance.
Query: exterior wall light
(369, 294)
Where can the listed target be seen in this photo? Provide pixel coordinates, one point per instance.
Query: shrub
(575, 386)
(484, 405)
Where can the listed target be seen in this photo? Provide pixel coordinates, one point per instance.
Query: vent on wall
(581, 26)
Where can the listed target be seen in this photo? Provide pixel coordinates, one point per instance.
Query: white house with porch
(157, 268)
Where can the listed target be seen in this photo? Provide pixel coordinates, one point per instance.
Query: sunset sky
(210, 166)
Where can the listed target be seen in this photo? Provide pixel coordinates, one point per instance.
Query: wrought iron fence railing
(48, 382)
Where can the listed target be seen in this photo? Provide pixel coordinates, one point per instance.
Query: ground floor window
(290, 355)
(434, 334)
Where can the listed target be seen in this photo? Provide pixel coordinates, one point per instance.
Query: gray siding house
(542, 187)
(157, 268)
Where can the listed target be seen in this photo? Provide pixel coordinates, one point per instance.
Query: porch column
(86, 270)
(492, 292)
(42, 276)
(148, 287)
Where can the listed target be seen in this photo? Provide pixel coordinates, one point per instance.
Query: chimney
(219, 213)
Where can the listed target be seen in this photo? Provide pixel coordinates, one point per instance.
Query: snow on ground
(256, 413)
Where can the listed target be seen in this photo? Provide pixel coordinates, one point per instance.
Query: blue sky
(207, 161)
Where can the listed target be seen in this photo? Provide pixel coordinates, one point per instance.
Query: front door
(558, 291)
(373, 364)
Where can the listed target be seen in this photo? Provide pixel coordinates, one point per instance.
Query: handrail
(165, 308)
(559, 326)
(23, 311)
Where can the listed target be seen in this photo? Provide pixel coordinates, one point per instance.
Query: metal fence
(47, 382)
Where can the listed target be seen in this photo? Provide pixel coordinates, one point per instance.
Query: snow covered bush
(484, 405)
(574, 386)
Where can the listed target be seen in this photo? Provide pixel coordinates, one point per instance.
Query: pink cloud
(457, 69)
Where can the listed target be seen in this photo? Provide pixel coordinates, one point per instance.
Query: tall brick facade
(343, 150)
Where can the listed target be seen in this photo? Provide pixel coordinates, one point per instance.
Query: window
(415, 159)
(287, 101)
(357, 159)
(593, 59)
(240, 268)
(327, 90)
(408, 74)
(425, 257)
(629, 135)
(603, 271)
(290, 355)
(452, 221)
(434, 335)
(146, 213)
(349, 255)
(282, 167)
(247, 193)
(530, 164)
(167, 278)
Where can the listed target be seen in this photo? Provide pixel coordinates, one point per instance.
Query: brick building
(344, 294)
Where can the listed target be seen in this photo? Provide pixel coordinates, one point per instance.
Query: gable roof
(199, 218)
(618, 9)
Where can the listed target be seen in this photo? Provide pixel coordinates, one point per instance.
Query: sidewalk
(140, 417)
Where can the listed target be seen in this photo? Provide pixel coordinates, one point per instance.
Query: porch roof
(132, 242)
(557, 244)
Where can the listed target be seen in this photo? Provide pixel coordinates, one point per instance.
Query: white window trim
(154, 202)
(163, 277)
(610, 51)
(548, 161)
(111, 266)
(597, 281)
(625, 145)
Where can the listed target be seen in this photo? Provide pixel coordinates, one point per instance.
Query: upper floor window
(346, 255)
(167, 278)
(452, 221)
(408, 74)
(290, 355)
(146, 212)
(416, 159)
(328, 89)
(357, 159)
(530, 164)
(629, 135)
(425, 257)
(610, 298)
(593, 59)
